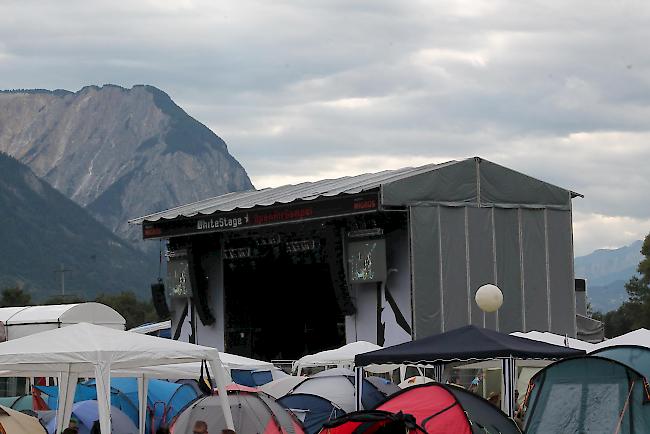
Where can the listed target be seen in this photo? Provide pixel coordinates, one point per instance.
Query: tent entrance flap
(290, 296)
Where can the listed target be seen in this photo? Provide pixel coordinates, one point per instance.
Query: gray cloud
(559, 90)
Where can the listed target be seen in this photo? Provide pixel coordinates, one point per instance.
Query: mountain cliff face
(41, 230)
(120, 153)
(607, 271)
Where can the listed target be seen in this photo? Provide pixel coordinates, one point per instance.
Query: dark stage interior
(280, 302)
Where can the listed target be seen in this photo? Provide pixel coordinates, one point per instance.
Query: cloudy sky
(303, 90)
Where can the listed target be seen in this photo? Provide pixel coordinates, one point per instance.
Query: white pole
(220, 374)
(103, 384)
(67, 389)
(143, 386)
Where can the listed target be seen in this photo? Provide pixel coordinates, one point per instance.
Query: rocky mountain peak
(118, 152)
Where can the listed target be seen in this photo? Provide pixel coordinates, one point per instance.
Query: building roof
(452, 182)
(289, 193)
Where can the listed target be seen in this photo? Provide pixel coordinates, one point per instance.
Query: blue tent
(314, 411)
(164, 399)
(247, 377)
(587, 394)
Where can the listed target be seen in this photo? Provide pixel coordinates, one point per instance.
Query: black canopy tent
(469, 343)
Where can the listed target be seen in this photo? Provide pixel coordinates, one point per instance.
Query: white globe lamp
(489, 298)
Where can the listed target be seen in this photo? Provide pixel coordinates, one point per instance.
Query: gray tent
(253, 412)
(587, 394)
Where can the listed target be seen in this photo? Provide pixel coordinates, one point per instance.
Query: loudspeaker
(159, 301)
(199, 282)
(335, 259)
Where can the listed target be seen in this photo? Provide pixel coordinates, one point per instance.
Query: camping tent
(469, 343)
(87, 412)
(587, 394)
(164, 399)
(342, 357)
(338, 387)
(15, 422)
(384, 386)
(27, 320)
(18, 403)
(280, 387)
(313, 411)
(373, 422)
(87, 350)
(253, 412)
(445, 409)
(634, 356)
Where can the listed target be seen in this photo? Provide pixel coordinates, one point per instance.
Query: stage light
(489, 298)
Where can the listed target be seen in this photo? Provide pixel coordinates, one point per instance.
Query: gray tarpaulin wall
(475, 222)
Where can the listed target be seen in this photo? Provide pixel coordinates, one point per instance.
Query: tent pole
(220, 374)
(67, 389)
(103, 385)
(509, 373)
(358, 387)
(143, 386)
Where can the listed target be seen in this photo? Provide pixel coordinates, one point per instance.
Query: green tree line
(134, 310)
(635, 312)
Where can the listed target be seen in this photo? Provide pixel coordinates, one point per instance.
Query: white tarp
(555, 339)
(87, 350)
(342, 357)
(640, 337)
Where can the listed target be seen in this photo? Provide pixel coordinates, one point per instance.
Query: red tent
(444, 409)
(434, 408)
(373, 422)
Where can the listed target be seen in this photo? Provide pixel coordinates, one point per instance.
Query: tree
(134, 311)
(15, 296)
(635, 312)
(64, 299)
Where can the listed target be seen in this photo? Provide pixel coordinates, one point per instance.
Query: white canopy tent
(27, 320)
(639, 337)
(342, 357)
(87, 350)
(552, 338)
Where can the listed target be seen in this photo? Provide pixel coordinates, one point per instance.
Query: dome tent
(87, 412)
(253, 412)
(613, 393)
(15, 422)
(337, 386)
(313, 411)
(446, 409)
(636, 357)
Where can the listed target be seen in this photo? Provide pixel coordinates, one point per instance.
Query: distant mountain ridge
(118, 152)
(607, 271)
(41, 230)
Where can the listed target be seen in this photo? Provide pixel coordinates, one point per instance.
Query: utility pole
(63, 270)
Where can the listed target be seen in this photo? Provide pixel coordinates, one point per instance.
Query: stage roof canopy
(473, 180)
